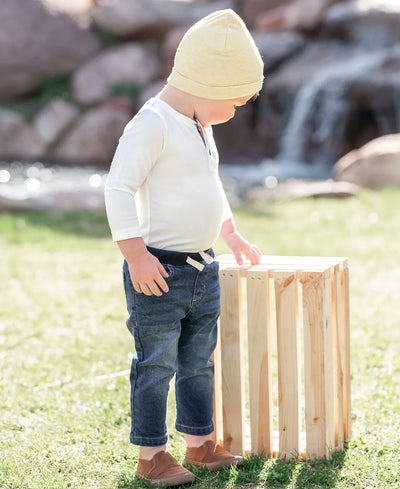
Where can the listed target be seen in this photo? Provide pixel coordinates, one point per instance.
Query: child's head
(217, 60)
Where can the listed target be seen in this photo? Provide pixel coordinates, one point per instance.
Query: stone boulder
(150, 18)
(251, 10)
(303, 15)
(36, 43)
(77, 8)
(306, 14)
(300, 189)
(170, 45)
(241, 146)
(94, 138)
(150, 90)
(277, 47)
(375, 165)
(53, 120)
(129, 64)
(17, 138)
(372, 25)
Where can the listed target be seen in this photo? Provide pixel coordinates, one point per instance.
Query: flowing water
(316, 126)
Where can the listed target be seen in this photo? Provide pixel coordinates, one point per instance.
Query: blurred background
(326, 124)
(74, 72)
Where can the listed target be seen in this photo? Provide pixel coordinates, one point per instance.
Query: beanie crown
(218, 59)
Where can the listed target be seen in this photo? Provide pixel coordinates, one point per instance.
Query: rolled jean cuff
(144, 441)
(195, 430)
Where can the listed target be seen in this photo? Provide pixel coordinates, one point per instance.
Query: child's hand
(239, 246)
(147, 275)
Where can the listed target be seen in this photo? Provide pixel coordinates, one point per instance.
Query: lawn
(65, 351)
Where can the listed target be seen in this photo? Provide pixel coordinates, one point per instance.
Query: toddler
(166, 207)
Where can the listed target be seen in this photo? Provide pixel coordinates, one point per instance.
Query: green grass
(65, 351)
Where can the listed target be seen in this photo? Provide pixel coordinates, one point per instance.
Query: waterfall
(316, 124)
(396, 104)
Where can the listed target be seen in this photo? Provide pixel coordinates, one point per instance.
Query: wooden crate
(317, 397)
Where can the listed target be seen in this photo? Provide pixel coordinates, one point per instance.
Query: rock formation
(331, 76)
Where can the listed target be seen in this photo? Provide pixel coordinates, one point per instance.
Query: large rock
(17, 138)
(128, 64)
(55, 118)
(313, 59)
(170, 45)
(371, 26)
(94, 138)
(300, 189)
(150, 18)
(304, 15)
(277, 47)
(375, 165)
(78, 8)
(251, 10)
(36, 43)
(150, 90)
(235, 139)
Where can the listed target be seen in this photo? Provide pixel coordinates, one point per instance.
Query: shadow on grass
(303, 474)
(321, 473)
(259, 472)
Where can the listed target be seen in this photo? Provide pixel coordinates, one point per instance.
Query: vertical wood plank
(337, 356)
(346, 353)
(259, 354)
(318, 364)
(288, 364)
(232, 362)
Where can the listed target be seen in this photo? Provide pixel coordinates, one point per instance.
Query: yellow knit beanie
(218, 59)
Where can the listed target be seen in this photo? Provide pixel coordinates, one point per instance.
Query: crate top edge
(271, 261)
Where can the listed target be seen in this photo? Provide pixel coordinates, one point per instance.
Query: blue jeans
(174, 334)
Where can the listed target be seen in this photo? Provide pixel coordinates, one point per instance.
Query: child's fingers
(255, 255)
(153, 289)
(162, 270)
(137, 287)
(238, 257)
(160, 282)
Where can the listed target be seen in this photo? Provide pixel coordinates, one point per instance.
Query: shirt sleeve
(137, 152)
(226, 212)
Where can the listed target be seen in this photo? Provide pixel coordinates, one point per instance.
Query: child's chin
(214, 123)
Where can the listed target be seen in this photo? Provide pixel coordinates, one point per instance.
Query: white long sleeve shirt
(163, 183)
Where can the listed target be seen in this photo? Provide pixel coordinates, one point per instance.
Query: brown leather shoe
(163, 468)
(212, 456)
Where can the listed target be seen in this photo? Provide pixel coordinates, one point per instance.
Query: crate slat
(288, 363)
(232, 362)
(346, 354)
(259, 354)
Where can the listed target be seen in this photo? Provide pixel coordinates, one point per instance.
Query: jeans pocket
(170, 269)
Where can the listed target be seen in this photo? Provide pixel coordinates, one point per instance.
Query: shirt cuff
(121, 234)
